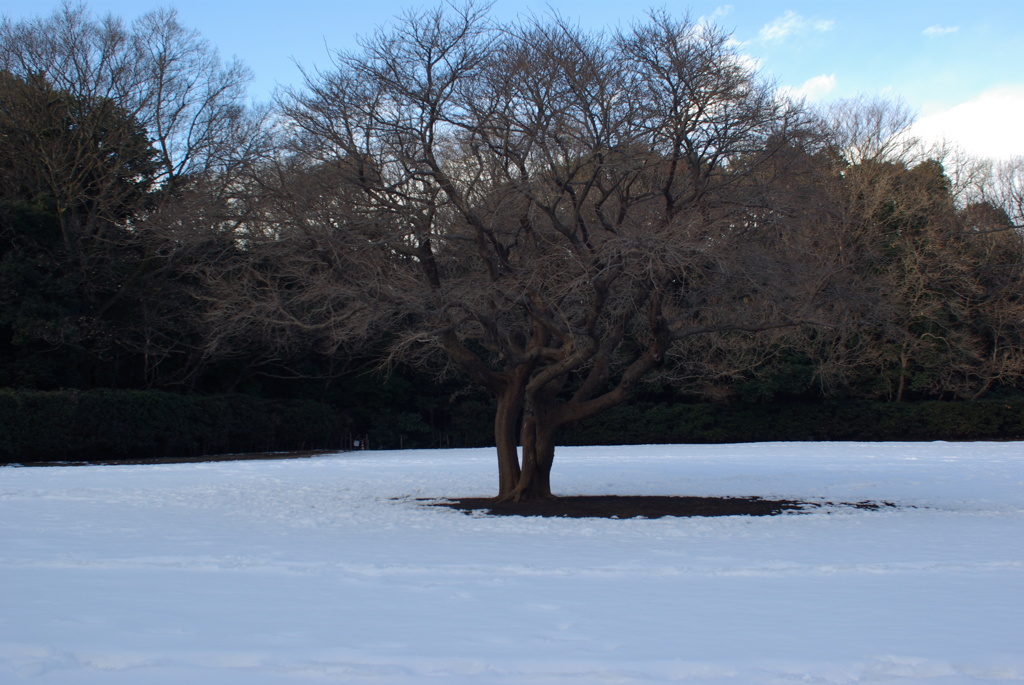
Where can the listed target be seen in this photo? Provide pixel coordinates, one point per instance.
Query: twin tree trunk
(531, 417)
(516, 424)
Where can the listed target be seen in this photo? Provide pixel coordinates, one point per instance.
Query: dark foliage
(834, 419)
(132, 424)
(103, 425)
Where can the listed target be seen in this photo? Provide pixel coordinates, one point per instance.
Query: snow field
(328, 570)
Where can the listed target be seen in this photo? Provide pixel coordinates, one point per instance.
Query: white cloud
(813, 88)
(940, 30)
(792, 23)
(987, 126)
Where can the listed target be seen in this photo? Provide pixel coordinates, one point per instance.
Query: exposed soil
(625, 507)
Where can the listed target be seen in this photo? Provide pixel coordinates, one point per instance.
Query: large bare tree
(546, 209)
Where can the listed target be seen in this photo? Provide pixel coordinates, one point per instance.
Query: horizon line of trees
(552, 216)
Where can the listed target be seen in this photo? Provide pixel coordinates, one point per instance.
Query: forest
(469, 232)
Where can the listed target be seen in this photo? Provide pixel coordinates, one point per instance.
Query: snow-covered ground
(327, 570)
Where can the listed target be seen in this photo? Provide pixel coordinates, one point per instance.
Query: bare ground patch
(652, 507)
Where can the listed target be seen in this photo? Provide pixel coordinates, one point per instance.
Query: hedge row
(131, 424)
(127, 424)
(989, 419)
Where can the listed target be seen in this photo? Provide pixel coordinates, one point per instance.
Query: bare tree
(192, 103)
(549, 210)
(872, 129)
(1000, 183)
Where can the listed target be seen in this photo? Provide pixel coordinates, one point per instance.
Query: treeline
(518, 224)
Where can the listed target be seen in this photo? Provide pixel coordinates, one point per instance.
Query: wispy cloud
(792, 23)
(712, 19)
(940, 30)
(721, 11)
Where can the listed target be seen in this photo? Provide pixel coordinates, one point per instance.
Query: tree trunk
(506, 424)
(543, 416)
(538, 439)
(904, 363)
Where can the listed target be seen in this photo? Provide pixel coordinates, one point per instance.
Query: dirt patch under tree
(625, 507)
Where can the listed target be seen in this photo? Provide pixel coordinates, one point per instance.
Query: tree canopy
(550, 210)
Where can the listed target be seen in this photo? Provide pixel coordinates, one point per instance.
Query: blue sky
(959, 64)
